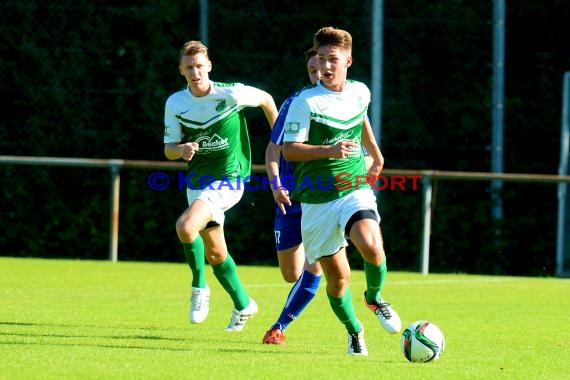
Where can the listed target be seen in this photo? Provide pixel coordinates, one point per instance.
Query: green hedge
(89, 79)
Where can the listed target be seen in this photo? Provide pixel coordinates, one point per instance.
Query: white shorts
(219, 198)
(323, 224)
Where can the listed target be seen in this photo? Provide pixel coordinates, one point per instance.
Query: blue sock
(301, 294)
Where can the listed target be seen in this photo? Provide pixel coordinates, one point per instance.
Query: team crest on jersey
(291, 127)
(221, 105)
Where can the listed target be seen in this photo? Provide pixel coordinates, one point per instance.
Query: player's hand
(343, 149)
(188, 150)
(281, 196)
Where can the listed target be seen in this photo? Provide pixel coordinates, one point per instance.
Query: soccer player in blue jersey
(323, 133)
(205, 126)
(287, 226)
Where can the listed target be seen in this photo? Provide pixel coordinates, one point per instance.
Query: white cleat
(199, 305)
(387, 316)
(239, 318)
(356, 344)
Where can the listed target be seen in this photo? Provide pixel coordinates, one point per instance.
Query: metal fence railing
(427, 178)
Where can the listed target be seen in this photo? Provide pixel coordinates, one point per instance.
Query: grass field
(63, 319)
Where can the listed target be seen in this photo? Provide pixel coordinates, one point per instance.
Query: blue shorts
(287, 228)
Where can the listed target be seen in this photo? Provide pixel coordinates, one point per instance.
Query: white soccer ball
(422, 341)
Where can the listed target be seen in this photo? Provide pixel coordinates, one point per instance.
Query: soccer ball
(422, 341)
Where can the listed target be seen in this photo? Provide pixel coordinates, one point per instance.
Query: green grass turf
(64, 319)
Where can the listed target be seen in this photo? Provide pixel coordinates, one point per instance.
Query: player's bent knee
(337, 287)
(290, 277)
(215, 258)
(186, 231)
(370, 246)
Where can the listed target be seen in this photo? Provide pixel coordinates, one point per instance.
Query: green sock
(227, 275)
(344, 311)
(194, 252)
(375, 278)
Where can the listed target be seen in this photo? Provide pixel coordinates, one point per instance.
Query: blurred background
(89, 79)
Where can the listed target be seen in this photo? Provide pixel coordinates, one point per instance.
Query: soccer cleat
(239, 318)
(389, 319)
(356, 344)
(199, 304)
(274, 336)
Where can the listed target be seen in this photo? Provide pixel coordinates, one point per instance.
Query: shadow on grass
(185, 344)
(34, 336)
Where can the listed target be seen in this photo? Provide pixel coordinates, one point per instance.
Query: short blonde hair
(193, 48)
(333, 37)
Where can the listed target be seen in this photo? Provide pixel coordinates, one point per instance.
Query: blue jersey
(285, 167)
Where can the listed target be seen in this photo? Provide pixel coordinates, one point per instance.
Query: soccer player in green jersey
(324, 132)
(205, 126)
(287, 224)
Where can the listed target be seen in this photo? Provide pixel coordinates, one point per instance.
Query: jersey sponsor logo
(340, 137)
(183, 112)
(211, 143)
(345, 136)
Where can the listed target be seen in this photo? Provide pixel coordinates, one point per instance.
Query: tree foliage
(89, 79)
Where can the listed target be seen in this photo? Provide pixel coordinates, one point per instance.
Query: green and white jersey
(318, 116)
(216, 122)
